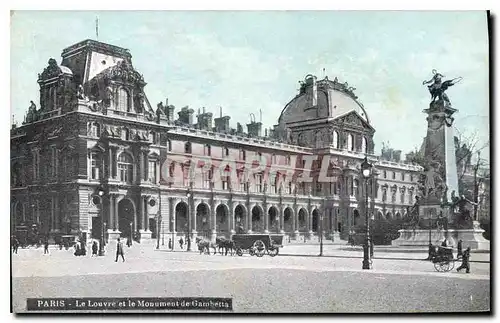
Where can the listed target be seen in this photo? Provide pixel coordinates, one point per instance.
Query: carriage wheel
(239, 252)
(442, 266)
(437, 266)
(259, 248)
(452, 265)
(273, 251)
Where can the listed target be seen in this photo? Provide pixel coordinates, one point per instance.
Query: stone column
(295, 222)
(231, 219)
(282, 220)
(213, 224)
(266, 219)
(249, 219)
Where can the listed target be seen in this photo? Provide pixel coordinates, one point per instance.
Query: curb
(360, 257)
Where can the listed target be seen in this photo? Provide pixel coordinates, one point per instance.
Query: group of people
(181, 243)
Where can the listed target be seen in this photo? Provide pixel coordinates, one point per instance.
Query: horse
(205, 245)
(225, 244)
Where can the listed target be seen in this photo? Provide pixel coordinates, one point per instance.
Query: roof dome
(322, 99)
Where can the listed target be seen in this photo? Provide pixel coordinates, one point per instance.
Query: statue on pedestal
(437, 88)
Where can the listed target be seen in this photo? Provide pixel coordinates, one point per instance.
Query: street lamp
(158, 224)
(321, 235)
(98, 201)
(188, 195)
(366, 171)
(131, 233)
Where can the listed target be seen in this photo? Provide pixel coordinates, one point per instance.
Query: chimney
(170, 112)
(310, 81)
(205, 120)
(186, 115)
(222, 124)
(254, 129)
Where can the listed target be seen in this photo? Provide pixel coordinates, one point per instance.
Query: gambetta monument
(439, 213)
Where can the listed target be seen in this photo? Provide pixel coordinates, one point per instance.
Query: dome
(322, 99)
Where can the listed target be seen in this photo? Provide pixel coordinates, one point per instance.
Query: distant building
(95, 128)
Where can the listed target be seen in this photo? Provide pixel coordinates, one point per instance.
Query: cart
(443, 259)
(258, 244)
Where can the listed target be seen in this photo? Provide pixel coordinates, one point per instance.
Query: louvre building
(94, 129)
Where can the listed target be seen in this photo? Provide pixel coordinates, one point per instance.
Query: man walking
(94, 249)
(46, 247)
(465, 261)
(119, 250)
(181, 242)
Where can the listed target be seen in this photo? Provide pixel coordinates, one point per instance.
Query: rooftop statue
(437, 88)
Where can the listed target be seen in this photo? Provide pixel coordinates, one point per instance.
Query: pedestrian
(129, 242)
(188, 243)
(46, 247)
(459, 248)
(465, 261)
(371, 249)
(169, 243)
(94, 249)
(15, 245)
(119, 250)
(181, 242)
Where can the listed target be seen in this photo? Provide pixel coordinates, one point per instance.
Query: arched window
(95, 163)
(335, 139)
(123, 100)
(356, 187)
(125, 167)
(364, 145)
(187, 147)
(226, 151)
(350, 142)
(402, 191)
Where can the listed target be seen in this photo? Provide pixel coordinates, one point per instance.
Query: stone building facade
(95, 129)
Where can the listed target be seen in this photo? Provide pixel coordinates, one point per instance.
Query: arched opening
(364, 145)
(240, 219)
(356, 217)
(274, 224)
(257, 219)
(302, 217)
(380, 216)
(398, 216)
(181, 217)
(388, 216)
(126, 215)
(287, 220)
(202, 220)
(315, 221)
(350, 142)
(335, 139)
(222, 220)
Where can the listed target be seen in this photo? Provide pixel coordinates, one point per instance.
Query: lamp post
(366, 170)
(158, 224)
(131, 233)
(321, 235)
(100, 193)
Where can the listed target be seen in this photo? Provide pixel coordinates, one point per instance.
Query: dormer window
(123, 100)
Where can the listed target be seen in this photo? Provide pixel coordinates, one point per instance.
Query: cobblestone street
(284, 283)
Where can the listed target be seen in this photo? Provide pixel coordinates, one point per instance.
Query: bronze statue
(437, 88)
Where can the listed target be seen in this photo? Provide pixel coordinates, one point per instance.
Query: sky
(246, 61)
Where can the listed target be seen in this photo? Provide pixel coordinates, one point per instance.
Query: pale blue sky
(246, 61)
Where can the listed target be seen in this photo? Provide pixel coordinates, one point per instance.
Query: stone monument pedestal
(472, 238)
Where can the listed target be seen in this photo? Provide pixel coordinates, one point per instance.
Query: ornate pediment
(124, 72)
(355, 120)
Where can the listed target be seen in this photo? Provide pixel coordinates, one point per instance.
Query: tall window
(385, 174)
(274, 159)
(207, 176)
(318, 188)
(410, 197)
(355, 187)
(393, 195)
(272, 180)
(243, 183)
(36, 164)
(123, 100)
(226, 151)
(402, 195)
(384, 194)
(393, 175)
(288, 160)
(169, 145)
(152, 137)
(258, 183)
(350, 142)
(208, 150)
(290, 187)
(335, 139)
(152, 171)
(126, 134)
(364, 145)
(243, 154)
(125, 168)
(94, 166)
(225, 182)
(53, 164)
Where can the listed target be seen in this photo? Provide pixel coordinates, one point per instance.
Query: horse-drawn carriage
(258, 244)
(442, 258)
